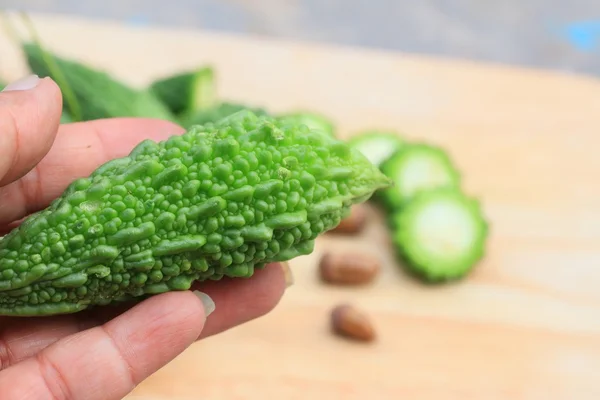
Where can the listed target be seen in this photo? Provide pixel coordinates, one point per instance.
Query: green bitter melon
(440, 234)
(221, 200)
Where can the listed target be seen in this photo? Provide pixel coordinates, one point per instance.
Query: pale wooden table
(525, 325)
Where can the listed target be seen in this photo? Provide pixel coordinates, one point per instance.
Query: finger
(108, 361)
(22, 338)
(237, 301)
(78, 149)
(30, 112)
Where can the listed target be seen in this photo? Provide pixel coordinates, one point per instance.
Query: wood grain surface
(526, 322)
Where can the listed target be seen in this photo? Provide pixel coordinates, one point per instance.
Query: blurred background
(555, 34)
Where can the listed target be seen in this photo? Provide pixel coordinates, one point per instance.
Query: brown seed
(349, 322)
(354, 222)
(348, 268)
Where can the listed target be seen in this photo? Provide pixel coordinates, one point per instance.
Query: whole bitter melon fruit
(221, 200)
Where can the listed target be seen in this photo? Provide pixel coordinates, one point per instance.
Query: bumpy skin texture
(221, 200)
(98, 94)
(440, 234)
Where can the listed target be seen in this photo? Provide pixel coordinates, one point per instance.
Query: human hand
(105, 352)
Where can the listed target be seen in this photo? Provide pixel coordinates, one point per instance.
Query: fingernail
(287, 273)
(207, 302)
(29, 82)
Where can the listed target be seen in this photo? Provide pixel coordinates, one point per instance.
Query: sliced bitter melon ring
(440, 234)
(377, 146)
(417, 167)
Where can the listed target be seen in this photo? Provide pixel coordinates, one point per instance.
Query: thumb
(30, 111)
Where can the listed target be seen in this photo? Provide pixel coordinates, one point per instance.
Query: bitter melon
(221, 200)
(186, 92)
(441, 234)
(417, 167)
(378, 146)
(98, 94)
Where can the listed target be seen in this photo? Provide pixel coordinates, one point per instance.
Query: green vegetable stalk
(96, 93)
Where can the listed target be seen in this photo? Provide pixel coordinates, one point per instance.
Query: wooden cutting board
(524, 325)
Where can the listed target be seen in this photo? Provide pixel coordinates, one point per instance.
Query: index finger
(28, 123)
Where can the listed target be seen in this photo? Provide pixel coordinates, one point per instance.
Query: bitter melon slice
(377, 146)
(441, 234)
(414, 168)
